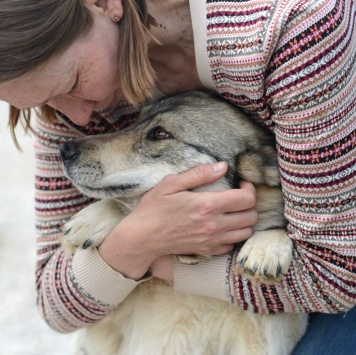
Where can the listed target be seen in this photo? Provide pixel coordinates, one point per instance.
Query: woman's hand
(171, 219)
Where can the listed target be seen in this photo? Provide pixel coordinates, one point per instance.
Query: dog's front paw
(266, 256)
(90, 226)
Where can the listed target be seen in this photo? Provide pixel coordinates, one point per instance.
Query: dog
(168, 137)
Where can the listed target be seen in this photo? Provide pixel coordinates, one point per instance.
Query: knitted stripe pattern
(61, 301)
(291, 66)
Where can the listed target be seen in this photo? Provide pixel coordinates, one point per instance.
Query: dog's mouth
(93, 182)
(86, 174)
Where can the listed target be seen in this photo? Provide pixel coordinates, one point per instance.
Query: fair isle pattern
(291, 65)
(61, 301)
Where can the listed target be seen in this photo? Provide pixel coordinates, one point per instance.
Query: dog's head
(168, 137)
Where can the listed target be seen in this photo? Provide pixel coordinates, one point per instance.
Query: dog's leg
(266, 256)
(90, 226)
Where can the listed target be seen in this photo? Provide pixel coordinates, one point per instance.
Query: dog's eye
(158, 134)
(161, 134)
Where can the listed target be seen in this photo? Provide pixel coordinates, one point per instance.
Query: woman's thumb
(195, 177)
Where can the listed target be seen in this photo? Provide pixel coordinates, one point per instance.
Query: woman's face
(82, 79)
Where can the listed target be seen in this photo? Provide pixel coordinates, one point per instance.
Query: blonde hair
(33, 31)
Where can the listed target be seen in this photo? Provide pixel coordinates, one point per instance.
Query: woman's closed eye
(75, 85)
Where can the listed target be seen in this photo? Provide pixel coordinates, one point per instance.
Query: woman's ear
(112, 8)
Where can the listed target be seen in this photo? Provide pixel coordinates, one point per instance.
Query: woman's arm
(73, 291)
(77, 290)
(291, 66)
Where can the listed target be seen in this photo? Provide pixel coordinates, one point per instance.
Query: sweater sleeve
(72, 291)
(291, 66)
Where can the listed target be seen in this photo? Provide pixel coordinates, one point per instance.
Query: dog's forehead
(164, 115)
(188, 107)
(165, 108)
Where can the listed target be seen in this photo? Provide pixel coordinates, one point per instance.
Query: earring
(116, 18)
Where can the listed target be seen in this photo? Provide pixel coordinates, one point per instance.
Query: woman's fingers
(214, 245)
(222, 249)
(236, 200)
(175, 220)
(233, 200)
(237, 235)
(193, 178)
(239, 220)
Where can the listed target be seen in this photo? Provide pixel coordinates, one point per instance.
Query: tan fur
(121, 167)
(154, 320)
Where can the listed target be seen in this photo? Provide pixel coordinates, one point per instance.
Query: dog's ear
(259, 167)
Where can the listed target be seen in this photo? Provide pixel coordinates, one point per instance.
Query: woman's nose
(76, 109)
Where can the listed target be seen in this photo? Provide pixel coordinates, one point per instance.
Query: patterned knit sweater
(290, 64)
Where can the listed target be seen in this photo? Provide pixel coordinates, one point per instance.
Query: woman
(288, 64)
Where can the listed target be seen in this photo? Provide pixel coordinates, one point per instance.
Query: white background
(22, 331)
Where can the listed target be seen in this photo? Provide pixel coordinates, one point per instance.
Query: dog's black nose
(70, 150)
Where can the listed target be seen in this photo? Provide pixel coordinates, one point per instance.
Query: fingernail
(218, 167)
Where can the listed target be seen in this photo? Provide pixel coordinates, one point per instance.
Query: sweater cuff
(96, 278)
(207, 278)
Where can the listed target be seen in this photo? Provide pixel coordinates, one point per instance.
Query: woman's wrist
(124, 258)
(162, 267)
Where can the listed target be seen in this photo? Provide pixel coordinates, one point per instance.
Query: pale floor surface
(22, 331)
